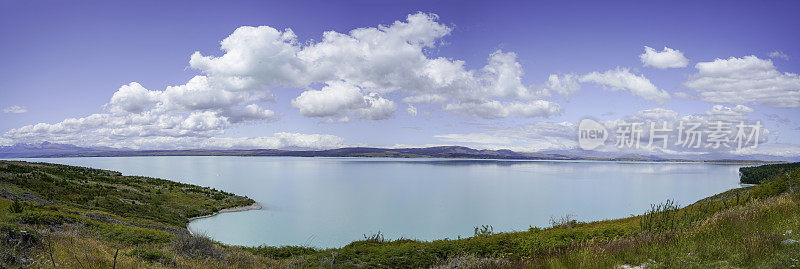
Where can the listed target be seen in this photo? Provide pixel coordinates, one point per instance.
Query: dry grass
(72, 248)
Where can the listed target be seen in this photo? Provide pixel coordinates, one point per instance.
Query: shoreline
(254, 206)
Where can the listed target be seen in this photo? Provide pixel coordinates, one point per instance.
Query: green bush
(282, 252)
(147, 254)
(759, 174)
(131, 235)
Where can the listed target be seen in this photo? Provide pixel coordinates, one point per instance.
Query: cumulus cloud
(194, 109)
(504, 76)
(15, 110)
(375, 60)
(623, 79)
(745, 80)
(242, 67)
(133, 98)
(339, 98)
(667, 58)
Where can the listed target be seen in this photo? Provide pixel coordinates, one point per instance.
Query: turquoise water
(329, 202)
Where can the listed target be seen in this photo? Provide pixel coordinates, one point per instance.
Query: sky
(516, 75)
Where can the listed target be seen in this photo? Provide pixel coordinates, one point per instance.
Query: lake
(329, 202)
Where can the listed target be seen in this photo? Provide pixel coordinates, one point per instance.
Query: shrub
(197, 246)
(131, 235)
(282, 252)
(484, 231)
(563, 222)
(148, 255)
(473, 261)
(375, 238)
(20, 238)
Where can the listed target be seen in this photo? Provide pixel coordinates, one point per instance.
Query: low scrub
(197, 246)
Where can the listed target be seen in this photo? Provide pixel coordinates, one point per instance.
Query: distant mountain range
(49, 150)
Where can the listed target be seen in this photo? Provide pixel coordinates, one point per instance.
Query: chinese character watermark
(686, 134)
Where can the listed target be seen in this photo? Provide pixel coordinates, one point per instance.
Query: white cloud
(341, 98)
(334, 99)
(412, 110)
(15, 110)
(565, 85)
(378, 60)
(277, 141)
(495, 109)
(133, 98)
(4, 142)
(200, 93)
(191, 110)
(251, 112)
(243, 65)
(729, 114)
(378, 108)
(383, 58)
(778, 55)
(623, 79)
(425, 98)
(667, 58)
(504, 76)
(745, 80)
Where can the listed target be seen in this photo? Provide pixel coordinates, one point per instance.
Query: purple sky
(65, 60)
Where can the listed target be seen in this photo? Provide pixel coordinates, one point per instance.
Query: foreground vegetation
(757, 174)
(88, 218)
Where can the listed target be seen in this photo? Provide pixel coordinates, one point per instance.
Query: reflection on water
(329, 202)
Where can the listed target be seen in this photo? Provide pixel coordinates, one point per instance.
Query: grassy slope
(739, 228)
(76, 209)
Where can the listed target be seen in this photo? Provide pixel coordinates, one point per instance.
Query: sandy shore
(254, 206)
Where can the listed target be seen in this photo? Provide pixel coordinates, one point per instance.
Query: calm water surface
(329, 202)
